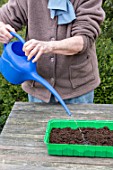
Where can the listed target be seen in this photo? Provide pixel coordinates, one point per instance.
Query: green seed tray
(75, 149)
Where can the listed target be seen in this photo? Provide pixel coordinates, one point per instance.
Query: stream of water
(82, 134)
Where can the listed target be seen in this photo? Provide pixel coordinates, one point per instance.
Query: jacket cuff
(87, 43)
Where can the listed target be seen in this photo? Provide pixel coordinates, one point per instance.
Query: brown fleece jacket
(73, 75)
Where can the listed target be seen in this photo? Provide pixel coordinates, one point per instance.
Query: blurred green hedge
(9, 94)
(103, 94)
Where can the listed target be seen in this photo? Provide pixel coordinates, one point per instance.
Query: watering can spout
(42, 81)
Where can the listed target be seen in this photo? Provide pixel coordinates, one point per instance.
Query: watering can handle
(17, 36)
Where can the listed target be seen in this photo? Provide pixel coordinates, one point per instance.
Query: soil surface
(92, 136)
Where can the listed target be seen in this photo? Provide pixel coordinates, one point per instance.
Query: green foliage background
(103, 94)
(8, 92)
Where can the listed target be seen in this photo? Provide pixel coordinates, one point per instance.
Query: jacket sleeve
(90, 15)
(14, 14)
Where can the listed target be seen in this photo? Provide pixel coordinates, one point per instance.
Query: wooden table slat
(21, 141)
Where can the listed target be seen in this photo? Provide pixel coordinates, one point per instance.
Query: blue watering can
(16, 69)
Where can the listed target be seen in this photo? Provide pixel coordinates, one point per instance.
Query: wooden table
(21, 141)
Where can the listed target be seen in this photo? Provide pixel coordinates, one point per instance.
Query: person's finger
(3, 36)
(6, 31)
(41, 51)
(4, 39)
(28, 49)
(10, 28)
(33, 52)
(27, 44)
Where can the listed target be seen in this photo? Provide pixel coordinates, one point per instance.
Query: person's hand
(36, 48)
(69, 46)
(5, 35)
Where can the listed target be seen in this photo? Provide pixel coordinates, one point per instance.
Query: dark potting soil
(93, 136)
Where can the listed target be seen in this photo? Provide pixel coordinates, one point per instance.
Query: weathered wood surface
(21, 141)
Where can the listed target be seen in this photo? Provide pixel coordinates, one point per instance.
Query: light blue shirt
(63, 9)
